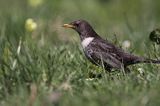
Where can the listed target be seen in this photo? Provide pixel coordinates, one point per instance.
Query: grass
(47, 66)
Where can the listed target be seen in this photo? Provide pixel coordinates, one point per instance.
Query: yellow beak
(68, 26)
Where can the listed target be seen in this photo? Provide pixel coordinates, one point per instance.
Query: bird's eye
(76, 24)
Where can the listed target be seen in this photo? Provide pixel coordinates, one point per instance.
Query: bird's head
(82, 27)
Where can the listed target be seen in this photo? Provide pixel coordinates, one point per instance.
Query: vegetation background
(42, 64)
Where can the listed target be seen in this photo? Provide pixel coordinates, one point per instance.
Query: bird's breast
(86, 41)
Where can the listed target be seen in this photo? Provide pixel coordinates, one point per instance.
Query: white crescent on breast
(87, 41)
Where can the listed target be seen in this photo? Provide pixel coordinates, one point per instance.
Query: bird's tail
(152, 61)
(143, 60)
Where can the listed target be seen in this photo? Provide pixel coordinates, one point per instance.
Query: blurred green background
(131, 20)
(42, 63)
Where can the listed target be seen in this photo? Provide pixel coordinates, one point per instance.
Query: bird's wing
(106, 59)
(103, 54)
(115, 54)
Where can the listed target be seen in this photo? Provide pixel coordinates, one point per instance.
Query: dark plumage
(101, 52)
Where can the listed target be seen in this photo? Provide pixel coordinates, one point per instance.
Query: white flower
(126, 44)
(30, 25)
(141, 70)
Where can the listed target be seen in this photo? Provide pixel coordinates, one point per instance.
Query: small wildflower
(126, 44)
(141, 70)
(30, 25)
(35, 3)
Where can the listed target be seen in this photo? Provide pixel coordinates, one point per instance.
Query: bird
(102, 52)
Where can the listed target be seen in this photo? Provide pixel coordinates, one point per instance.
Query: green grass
(51, 69)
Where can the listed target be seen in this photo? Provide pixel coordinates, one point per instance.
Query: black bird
(101, 52)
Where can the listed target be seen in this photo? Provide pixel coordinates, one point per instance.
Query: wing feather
(108, 54)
